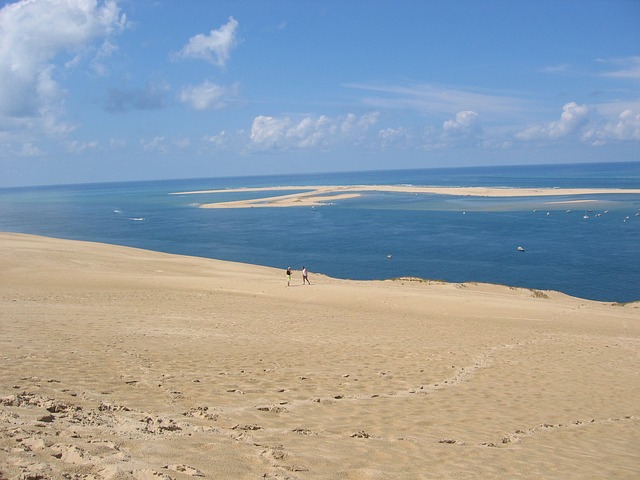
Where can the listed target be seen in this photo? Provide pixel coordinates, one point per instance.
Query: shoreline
(119, 362)
(324, 195)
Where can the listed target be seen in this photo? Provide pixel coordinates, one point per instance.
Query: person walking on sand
(305, 276)
(288, 276)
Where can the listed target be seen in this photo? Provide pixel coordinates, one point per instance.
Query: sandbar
(324, 195)
(125, 363)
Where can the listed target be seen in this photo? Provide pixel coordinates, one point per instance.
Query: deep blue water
(457, 239)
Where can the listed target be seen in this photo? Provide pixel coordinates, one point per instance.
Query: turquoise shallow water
(456, 239)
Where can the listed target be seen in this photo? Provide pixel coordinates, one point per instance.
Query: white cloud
(433, 99)
(106, 50)
(625, 128)
(462, 131)
(465, 124)
(156, 144)
(220, 140)
(576, 123)
(573, 118)
(207, 95)
(33, 34)
(163, 145)
(629, 68)
(215, 47)
(395, 137)
(563, 68)
(353, 124)
(310, 132)
(270, 133)
(75, 146)
(587, 124)
(234, 140)
(30, 150)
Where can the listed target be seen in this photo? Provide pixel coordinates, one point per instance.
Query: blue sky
(115, 90)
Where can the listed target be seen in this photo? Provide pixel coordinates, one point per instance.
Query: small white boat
(521, 249)
(389, 257)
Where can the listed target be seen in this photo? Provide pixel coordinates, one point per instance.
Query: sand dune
(323, 195)
(123, 363)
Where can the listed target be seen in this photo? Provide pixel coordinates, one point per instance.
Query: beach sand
(323, 195)
(122, 363)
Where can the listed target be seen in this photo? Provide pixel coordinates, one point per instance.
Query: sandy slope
(122, 363)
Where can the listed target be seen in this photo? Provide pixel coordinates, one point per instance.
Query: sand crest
(124, 363)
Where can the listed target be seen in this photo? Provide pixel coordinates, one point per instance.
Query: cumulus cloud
(395, 137)
(207, 95)
(463, 130)
(33, 34)
(573, 118)
(354, 125)
(586, 124)
(271, 133)
(465, 124)
(625, 128)
(215, 47)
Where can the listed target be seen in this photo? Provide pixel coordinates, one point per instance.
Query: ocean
(378, 235)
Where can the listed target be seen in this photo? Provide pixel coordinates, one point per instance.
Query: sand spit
(122, 363)
(323, 195)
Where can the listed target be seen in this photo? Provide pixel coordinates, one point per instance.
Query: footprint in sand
(187, 470)
(148, 474)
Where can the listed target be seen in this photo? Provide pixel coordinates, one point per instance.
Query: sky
(119, 90)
